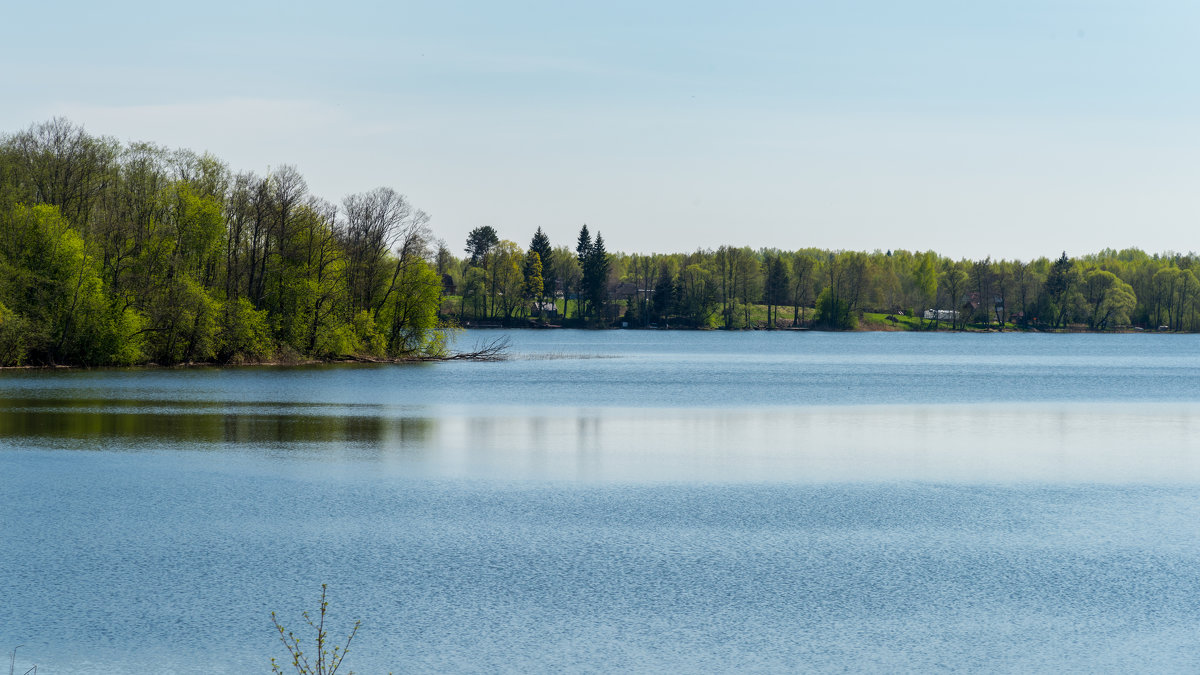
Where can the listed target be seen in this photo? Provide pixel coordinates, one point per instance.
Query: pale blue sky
(1013, 129)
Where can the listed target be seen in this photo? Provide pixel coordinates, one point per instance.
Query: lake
(618, 501)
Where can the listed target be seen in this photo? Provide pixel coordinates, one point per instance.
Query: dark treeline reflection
(102, 421)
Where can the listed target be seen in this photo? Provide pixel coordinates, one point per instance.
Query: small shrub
(328, 659)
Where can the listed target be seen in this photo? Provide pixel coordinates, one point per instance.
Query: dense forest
(739, 288)
(115, 254)
(126, 254)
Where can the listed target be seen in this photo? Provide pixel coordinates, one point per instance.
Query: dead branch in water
(493, 350)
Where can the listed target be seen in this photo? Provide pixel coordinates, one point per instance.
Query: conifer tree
(583, 251)
(664, 293)
(595, 274)
(540, 244)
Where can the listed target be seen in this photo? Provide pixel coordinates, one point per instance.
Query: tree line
(739, 287)
(500, 281)
(114, 253)
(119, 254)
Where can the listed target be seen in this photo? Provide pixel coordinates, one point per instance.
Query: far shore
(498, 352)
(864, 327)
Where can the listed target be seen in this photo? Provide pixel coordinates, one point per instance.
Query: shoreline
(870, 328)
(497, 352)
(273, 363)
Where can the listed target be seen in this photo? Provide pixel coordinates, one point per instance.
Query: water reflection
(654, 512)
(200, 425)
(972, 443)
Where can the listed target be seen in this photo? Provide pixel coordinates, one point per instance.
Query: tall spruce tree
(1058, 287)
(776, 287)
(583, 252)
(664, 294)
(595, 278)
(540, 244)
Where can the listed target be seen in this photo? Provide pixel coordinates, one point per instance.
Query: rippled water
(641, 501)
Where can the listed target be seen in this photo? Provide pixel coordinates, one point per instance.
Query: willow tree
(1109, 300)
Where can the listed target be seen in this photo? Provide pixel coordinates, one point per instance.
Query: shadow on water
(205, 423)
(1070, 441)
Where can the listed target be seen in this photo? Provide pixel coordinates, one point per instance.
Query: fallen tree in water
(495, 349)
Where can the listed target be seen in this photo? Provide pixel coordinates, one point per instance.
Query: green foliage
(534, 283)
(112, 255)
(184, 323)
(440, 339)
(244, 333)
(1061, 289)
(665, 297)
(13, 334)
(198, 226)
(327, 659)
(696, 297)
(953, 285)
(739, 315)
(474, 293)
(409, 320)
(48, 278)
(125, 345)
(925, 279)
(594, 265)
(117, 255)
(834, 313)
(505, 280)
(480, 242)
(1109, 299)
(540, 244)
(369, 341)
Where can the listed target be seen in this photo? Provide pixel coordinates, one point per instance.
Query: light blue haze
(1015, 129)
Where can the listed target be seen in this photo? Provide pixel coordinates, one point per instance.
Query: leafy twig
(328, 660)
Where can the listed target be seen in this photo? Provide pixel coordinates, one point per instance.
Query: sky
(1013, 129)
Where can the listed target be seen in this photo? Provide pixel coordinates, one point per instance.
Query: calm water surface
(619, 500)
